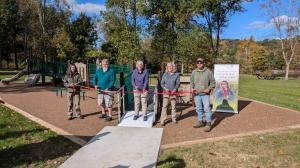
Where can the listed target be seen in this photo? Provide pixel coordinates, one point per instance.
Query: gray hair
(170, 63)
(139, 62)
(105, 61)
(173, 66)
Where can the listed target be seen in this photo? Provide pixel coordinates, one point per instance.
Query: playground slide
(14, 78)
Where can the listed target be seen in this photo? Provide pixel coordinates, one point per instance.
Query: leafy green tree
(64, 47)
(83, 35)
(259, 59)
(167, 20)
(122, 29)
(10, 27)
(215, 14)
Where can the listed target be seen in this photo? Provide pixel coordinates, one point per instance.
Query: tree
(120, 24)
(216, 14)
(285, 17)
(228, 49)
(10, 27)
(245, 49)
(64, 47)
(259, 59)
(83, 35)
(167, 20)
(191, 45)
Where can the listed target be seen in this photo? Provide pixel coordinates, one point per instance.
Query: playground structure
(6, 81)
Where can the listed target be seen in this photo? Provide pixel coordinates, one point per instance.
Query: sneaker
(70, 118)
(145, 118)
(162, 124)
(102, 115)
(207, 127)
(174, 122)
(199, 124)
(108, 118)
(135, 117)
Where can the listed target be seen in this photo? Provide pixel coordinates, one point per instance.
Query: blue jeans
(203, 104)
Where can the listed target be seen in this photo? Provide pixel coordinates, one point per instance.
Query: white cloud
(258, 25)
(85, 7)
(283, 19)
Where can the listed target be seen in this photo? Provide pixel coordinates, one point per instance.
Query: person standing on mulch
(202, 82)
(104, 82)
(139, 81)
(170, 83)
(72, 82)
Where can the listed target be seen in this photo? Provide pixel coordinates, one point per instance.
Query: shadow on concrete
(97, 137)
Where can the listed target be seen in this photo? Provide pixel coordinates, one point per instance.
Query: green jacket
(105, 80)
(75, 79)
(202, 79)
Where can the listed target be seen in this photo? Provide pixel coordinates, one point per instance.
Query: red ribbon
(141, 92)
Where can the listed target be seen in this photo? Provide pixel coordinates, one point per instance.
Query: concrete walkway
(119, 147)
(128, 121)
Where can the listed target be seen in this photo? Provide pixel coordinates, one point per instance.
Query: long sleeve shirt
(202, 79)
(170, 81)
(105, 80)
(140, 80)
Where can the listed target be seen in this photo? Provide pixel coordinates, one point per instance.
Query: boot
(199, 124)
(207, 127)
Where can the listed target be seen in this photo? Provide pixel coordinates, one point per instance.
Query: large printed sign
(225, 95)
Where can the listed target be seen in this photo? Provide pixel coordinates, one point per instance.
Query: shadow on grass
(19, 133)
(37, 153)
(172, 162)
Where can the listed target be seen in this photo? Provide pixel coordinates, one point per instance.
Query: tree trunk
(182, 68)
(287, 69)
(1, 56)
(16, 60)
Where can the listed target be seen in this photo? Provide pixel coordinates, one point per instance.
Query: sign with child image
(225, 95)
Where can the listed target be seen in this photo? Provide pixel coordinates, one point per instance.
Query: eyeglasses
(200, 62)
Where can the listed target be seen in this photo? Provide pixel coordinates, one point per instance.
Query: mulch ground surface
(42, 102)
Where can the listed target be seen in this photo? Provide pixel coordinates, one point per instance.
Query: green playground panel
(117, 70)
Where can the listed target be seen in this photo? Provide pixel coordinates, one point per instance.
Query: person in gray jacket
(72, 82)
(170, 83)
(202, 82)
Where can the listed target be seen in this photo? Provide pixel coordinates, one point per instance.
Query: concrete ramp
(119, 147)
(128, 121)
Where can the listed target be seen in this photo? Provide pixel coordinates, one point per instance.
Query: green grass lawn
(268, 150)
(24, 143)
(277, 92)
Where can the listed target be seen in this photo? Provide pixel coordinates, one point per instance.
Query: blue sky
(251, 22)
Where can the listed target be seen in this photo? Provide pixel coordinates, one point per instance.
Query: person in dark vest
(72, 82)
